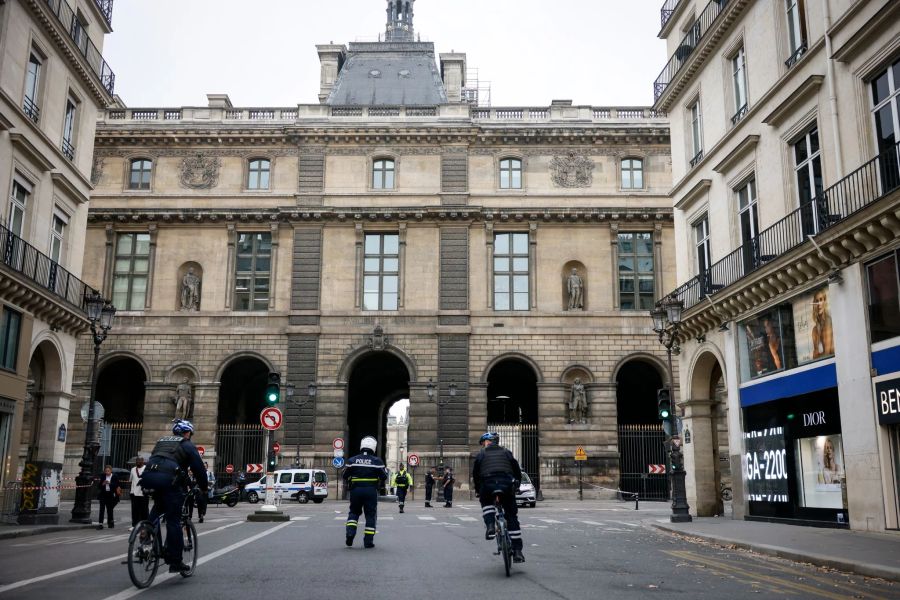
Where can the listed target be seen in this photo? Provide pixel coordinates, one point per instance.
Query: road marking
(166, 576)
(424, 518)
(552, 521)
(305, 518)
(463, 518)
(625, 523)
(24, 582)
(594, 523)
(340, 518)
(385, 518)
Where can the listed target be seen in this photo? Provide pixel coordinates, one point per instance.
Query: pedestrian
(448, 487)
(402, 482)
(140, 504)
(110, 491)
(495, 468)
(429, 486)
(365, 474)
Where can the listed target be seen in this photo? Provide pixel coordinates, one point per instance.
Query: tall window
(132, 269)
(636, 287)
(68, 147)
(258, 174)
(511, 174)
(381, 271)
(739, 83)
(748, 218)
(886, 110)
(511, 271)
(18, 204)
(139, 178)
(253, 271)
(32, 87)
(701, 244)
(79, 32)
(10, 325)
(796, 30)
(696, 133)
(57, 237)
(884, 298)
(808, 173)
(632, 174)
(383, 174)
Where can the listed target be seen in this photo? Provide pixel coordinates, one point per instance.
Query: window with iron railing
(18, 205)
(796, 28)
(739, 84)
(32, 87)
(69, 129)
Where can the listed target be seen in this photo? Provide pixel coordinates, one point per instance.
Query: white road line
(625, 523)
(467, 518)
(133, 591)
(385, 518)
(424, 518)
(340, 518)
(300, 518)
(595, 523)
(24, 582)
(553, 521)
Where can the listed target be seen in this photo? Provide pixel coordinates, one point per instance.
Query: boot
(401, 508)
(428, 504)
(489, 532)
(178, 567)
(518, 557)
(349, 540)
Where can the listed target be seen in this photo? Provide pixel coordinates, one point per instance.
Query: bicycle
(501, 534)
(146, 545)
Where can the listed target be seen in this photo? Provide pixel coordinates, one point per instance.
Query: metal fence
(522, 441)
(237, 445)
(9, 502)
(119, 443)
(639, 447)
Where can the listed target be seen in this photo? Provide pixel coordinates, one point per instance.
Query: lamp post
(667, 323)
(311, 391)
(100, 314)
(441, 402)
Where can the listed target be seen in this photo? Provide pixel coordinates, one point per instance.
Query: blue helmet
(180, 426)
(493, 436)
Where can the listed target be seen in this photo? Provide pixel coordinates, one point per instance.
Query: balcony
(688, 44)
(798, 53)
(861, 188)
(68, 149)
(106, 7)
(25, 259)
(668, 9)
(31, 109)
(66, 17)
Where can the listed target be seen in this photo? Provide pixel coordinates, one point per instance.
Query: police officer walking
(495, 468)
(429, 486)
(402, 481)
(166, 475)
(365, 475)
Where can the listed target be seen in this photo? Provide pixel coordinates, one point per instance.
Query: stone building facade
(392, 241)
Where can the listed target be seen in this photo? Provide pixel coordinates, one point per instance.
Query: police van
(301, 485)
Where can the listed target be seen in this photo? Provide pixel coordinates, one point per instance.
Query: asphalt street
(574, 550)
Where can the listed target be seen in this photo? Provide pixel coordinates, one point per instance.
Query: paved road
(573, 550)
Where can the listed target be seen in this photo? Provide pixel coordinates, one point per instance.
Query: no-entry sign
(229, 469)
(276, 447)
(413, 460)
(201, 450)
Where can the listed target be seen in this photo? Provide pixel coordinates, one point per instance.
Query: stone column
(422, 434)
(54, 412)
(700, 456)
(205, 418)
(331, 420)
(735, 426)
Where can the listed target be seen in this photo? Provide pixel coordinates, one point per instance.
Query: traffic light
(271, 461)
(663, 404)
(273, 389)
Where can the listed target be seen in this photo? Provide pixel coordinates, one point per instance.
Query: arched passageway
(120, 389)
(377, 381)
(512, 411)
(641, 434)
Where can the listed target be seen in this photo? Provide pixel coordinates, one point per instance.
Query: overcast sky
(262, 52)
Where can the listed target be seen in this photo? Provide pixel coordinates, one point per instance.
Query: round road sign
(271, 418)
(413, 460)
(338, 452)
(229, 469)
(201, 450)
(276, 447)
(337, 462)
(338, 443)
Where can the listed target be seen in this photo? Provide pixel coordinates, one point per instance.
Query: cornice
(62, 182)
(702, 186)
(34, 299)
(809, 86)
(744, 147)
(24, 145)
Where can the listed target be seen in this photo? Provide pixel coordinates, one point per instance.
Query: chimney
(218, 100)
(453, 72)
(331, 57)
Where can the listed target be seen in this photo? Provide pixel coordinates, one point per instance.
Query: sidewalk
(864, 553)
(65, 513)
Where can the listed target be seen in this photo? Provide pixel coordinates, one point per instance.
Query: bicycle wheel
(143, 554)
(505, 548)
(190, 547)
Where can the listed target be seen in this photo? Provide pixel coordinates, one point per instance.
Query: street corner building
(400, 238)
(786, 192)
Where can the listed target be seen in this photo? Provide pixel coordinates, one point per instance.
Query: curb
(8, 535)
(884, 572)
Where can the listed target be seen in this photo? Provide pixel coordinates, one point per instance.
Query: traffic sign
(276, 447)
(580, 454)
(201, 450)
(337, 462)
(229, 469)
(338, 452)
(656, 469)
(255, 468)
(413, 460)
(337, 443)
(271, 418)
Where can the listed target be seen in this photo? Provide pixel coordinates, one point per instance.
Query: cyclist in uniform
(166, 475)
(496, 469)
(365, 475)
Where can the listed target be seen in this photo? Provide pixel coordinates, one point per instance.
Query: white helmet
(368, 443)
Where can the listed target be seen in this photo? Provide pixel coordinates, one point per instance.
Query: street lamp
(441, 402)
(311, 390)
(666, 323)
(100, 314)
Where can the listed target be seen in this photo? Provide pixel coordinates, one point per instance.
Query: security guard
(495, 468)
(365, 475)
(429, 486)
(166, 475)
(402, 481)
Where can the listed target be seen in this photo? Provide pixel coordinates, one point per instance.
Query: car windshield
(526, 479)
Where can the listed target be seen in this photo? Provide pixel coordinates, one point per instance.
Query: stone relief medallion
(200, 172)
(572, 170)
(97, 169)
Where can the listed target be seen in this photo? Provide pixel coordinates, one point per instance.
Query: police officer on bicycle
(365, 475)
(166, 475)
(496, 469)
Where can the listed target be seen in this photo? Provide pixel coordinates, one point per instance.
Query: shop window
(820, 469)
(884, 298)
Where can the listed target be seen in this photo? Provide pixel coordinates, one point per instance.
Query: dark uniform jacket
(495, 462)
(365, 470)
(169, 461)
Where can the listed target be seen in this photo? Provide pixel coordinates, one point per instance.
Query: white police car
(526, 493)
(302, 485)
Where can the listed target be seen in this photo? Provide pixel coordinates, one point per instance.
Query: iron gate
(522, 441)
(639, 447)
(238, 445)
(119, 443)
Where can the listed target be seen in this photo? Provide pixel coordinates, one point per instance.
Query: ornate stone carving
(184, 401)
(572, 171)
(190, 291)
(200, 172)
(575, 287)
(378, 341)
(578, 404)
(97, 169)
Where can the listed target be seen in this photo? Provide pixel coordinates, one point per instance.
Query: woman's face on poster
(828, 450)
(820, 304)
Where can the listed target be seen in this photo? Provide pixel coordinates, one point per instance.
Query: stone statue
(575, 287)
(183, 400)
(190, 291)
(578, 403)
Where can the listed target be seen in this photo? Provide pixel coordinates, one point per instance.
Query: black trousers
(448, 493)
(363, 500)
(140, 509)
(108, 501)
(401, 495)
(510, 509)
(428, 491)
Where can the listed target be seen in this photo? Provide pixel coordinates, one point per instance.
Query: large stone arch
(55, 369)
(350, 361)
(108, 359)
(235, 356)
(47, 403)
(654, 360)
(701, 367)
(514, 356)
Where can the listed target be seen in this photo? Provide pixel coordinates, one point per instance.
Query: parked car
(526, 494)
(301, 485)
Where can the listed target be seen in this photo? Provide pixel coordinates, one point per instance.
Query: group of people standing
(446, 483)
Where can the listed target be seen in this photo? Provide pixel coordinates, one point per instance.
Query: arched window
(258, 174)
(139, 178)
(383, 174)
(632, 174)
(511, 174)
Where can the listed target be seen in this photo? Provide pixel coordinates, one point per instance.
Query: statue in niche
(575, 287)
(578, 406)
(183, 399)
(190, 291)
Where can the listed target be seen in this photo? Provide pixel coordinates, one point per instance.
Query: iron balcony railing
(793, 58)
(668, 9)
(864, 186)
(697, 158)
(68, 149)
(690, 41)
(31, 109)
(22, 257)
(105, 7)
(740, 114)
(86, 47)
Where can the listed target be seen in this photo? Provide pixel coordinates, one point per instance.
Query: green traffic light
(663, 414)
